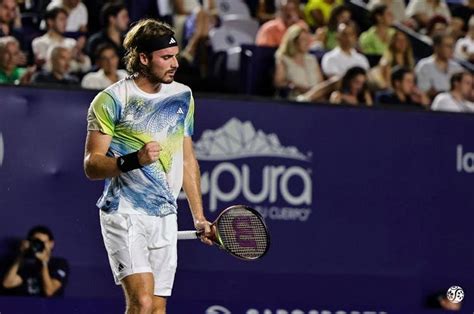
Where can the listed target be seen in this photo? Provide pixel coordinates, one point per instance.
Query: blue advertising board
(369, 209)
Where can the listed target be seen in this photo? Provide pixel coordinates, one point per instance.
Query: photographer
(34, 272)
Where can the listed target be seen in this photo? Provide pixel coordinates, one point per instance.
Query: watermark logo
(455, 294)
(217, 309)
(464, 160)
(279, 185)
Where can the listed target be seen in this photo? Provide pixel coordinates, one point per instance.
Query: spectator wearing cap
(458, 98)
(337, 61)
(434, 72)
(115, 20)
(271, 33)
(56, 20)
(375, 40)
(404, 91)
(108, 73)
(77, 14)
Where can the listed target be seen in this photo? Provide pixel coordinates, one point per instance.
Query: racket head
(241, 231)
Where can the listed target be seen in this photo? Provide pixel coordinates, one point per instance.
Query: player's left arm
(192, 188)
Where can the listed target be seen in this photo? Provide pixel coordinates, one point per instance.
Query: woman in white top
(296, 69)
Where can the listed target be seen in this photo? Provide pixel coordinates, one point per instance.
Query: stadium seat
(241, 23)
(236, 7)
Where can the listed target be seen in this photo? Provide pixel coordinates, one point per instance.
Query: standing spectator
(317, 12)
(344, 56)
(404, 91)
(375, 40)
(465, 46)
(10, 72)
(271, 33)
(35, 272)
(56, 20)
(397, 7)
(423, 10)
(107, 60)
(60, 58)
(8, 12)
(457, 99)
(433, 73)
(115, 20)
(77, 14)
(399, 53)
(353, 89)
(296, 69)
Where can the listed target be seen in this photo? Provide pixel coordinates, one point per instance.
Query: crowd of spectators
(323, 50)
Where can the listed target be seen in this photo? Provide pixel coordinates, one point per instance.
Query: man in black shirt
(59, 74)
(114, 17)
(404, 92)
(35, 272)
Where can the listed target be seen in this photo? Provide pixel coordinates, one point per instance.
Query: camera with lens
(36, 246)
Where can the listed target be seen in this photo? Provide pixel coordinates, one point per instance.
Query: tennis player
(139, 141)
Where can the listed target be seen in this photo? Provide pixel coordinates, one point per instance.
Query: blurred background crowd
(413, 53)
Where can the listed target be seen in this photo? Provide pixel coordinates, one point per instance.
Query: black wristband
(128, 162)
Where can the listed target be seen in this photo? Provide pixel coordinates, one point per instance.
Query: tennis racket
(239, 230)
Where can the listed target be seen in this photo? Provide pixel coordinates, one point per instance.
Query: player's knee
(142, 302)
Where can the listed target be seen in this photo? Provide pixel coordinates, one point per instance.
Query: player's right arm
(102, 117)
(98, 166)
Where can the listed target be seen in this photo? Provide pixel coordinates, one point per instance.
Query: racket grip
(188, 235)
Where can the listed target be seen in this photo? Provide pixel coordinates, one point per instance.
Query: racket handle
(187, 235)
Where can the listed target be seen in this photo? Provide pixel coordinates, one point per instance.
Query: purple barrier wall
(369, 210)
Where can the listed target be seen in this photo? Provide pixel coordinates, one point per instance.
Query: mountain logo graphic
(237, 139)
(172, 41)
(180, 111)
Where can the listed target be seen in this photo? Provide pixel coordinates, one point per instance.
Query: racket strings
(243, 233)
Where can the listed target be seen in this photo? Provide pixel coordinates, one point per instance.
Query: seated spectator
(375, 40)
(399, 53)
(353, 89)
(60, 58)
(404, 91)
(463, 13)
(397, 7)
(317, 12)
(271, 33)
(465, 46)
(115, 20)
(107, 60)
(436, 25)
(56, 19)
(10, 72)
(457, 99)
(340, 15)
(433, 73)
(344, 56)
(296, 69)
(77, 14)
(423, 10)
(35, 272)
(8, 12)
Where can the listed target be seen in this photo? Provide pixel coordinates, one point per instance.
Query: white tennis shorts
(142, 244)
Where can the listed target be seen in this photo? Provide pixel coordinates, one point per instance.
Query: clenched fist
(149, 153)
